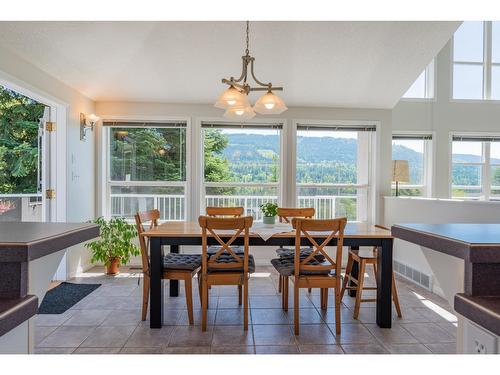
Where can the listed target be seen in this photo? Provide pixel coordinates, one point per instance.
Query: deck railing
(173, 207)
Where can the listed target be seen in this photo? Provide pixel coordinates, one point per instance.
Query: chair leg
(189, 298)
(359, 288)
(322, 298)
(204, 303)
(199, 288)
(337, 307)
(285, 292)
(347, 276)
(145, 296)
(395, 296)
(309, 290)
(245, 303)
(296, 306)
(280, 284)
(239, 294)
(326, 299)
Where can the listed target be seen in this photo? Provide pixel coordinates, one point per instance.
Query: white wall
(79, 163)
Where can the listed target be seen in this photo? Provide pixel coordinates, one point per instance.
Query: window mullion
(487, 60)
(485, 180)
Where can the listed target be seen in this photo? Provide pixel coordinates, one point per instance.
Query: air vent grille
(414, 275)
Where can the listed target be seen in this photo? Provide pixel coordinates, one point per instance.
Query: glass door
(24, 158)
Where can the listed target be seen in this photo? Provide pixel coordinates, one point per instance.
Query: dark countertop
(21, 242)
(484, 311)
(15, 311)
(475, 243)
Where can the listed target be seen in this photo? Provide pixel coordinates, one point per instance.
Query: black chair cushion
(304, 252)
(188, 262)
(226, 258)
(286, 267)
(211, 250)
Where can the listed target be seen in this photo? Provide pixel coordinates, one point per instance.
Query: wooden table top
(192, 229)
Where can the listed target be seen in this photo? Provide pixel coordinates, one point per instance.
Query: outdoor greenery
(19, 121)
(115, 241)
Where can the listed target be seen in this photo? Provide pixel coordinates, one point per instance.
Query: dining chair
(226, 267)
(364, 257)
(175, 266)
(308, 272)
(285, 215)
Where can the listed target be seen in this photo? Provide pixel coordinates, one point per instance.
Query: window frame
(199, 180)
(370, 185)
(485, 165)
(430, 85)
(428, 162)
(487, 65)
(105, 177)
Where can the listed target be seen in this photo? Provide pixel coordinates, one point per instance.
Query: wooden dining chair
(365, 257)
(175, 266)
(308, 272)
(285, 216)
(226, 267)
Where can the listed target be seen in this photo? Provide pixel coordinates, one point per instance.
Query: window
(423, 87)
(475, 171)
(415, 148)
(476, 61)
(241, 165)
(146, 169)
(332, 170)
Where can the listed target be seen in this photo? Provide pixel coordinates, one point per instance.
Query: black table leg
(384, 282)
(174, 284)
(156, 285)
(354, 274)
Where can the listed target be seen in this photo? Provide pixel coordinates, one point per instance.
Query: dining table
(175, 234)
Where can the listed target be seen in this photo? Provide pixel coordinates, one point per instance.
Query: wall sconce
(87, 122)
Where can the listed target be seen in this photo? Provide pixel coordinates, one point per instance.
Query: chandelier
(235, 98)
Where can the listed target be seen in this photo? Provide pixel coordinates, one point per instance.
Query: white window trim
(198, 181)
(486, 64)
(105, 183)
(429, 162)
(485, 166)
(370, 186)
(430, 85)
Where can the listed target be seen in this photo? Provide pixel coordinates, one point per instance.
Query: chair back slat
(151, 216)
(286, 214)
(225, 211)
(209, 226)
(334, 228)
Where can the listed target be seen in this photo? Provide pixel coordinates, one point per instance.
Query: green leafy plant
(269, 209)
(115, 242)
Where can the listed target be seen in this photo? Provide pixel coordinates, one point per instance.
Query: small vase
(269, 219)
(113, 268)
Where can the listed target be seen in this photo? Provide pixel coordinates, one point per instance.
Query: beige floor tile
(273, 335)
(275, 349)
(231, 317)
(53, 319)
(232, 350)
(314, 334)
(187, 350)
(191, 336)
(394, 335)
(54, 350)
(232, 335)
(428, 333)
(364, 349)
(108, 337)
(269, 316)
(320, 349)
(147, 350)
(144, 337)
(87, 318)
(408, 349)
(41, 332)
(66, 337)
(306, 316)
(353, 334)
(123, 318)
(82, 350)
(443, 348)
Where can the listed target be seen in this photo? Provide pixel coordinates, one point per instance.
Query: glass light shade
(240, 114)
(232, 97)
(92, 119)
(270, 104)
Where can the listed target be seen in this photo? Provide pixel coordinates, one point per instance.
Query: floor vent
(413, 275)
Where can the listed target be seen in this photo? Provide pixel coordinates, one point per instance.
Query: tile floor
(108, 321)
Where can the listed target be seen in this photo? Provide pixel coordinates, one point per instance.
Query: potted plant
(270, 210)
(115, 245)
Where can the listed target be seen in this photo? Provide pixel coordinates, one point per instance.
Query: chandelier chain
(247, 51)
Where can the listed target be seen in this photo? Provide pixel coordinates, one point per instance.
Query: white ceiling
(335, 64)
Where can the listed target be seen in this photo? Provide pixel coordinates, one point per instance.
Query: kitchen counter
(29, 256)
